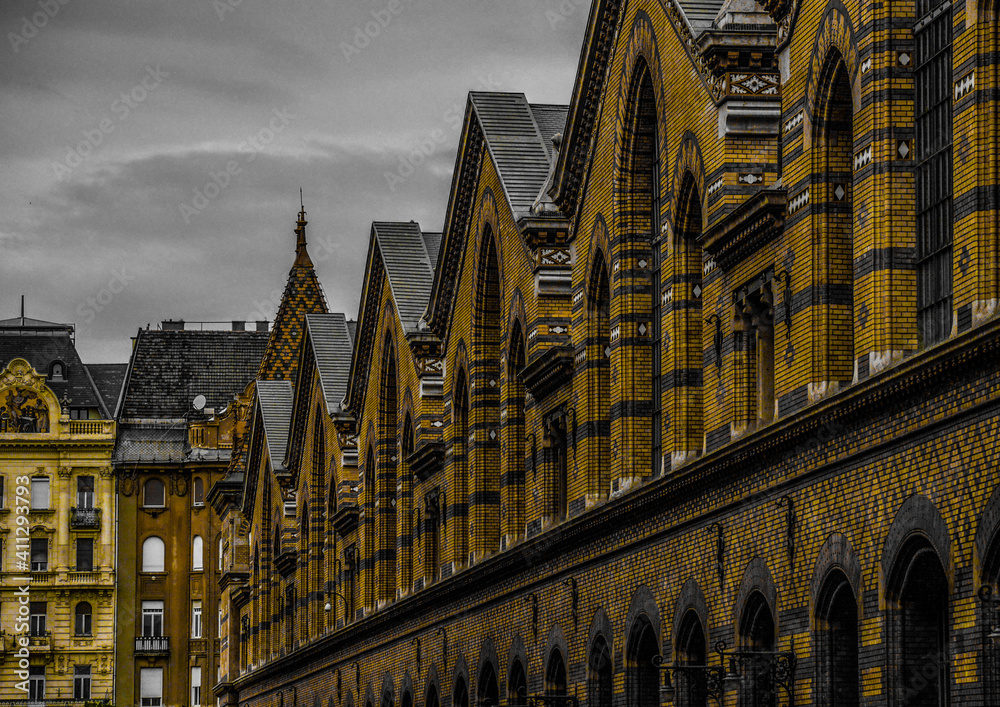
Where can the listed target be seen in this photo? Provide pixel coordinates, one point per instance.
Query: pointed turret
(303, 295)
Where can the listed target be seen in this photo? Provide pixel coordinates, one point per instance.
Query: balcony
(40, 641)
(92, 428)
(152, 645)
(85, 517)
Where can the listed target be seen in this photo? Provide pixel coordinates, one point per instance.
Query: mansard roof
(303, 295)
(400, 253)
(518, 137)
(274, 403)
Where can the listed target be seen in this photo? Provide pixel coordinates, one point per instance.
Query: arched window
(692, 688)
(154, 494)
(372, 528)
(386, 484)
(488, 690)
(84, 619)
(57, 371)
(153, 555)
(600, 675)
(640, 226)
(484, 507)
(599, 359)
(642, 684)
(432, 697)
(461, 694)
(837, 644)
(932, 77)
(555, 674)
(685, 316)
(918, 593)
(387, 699)
(517, 684)
(197, 554)
(834, 217)
(515, 481)
(756, 633)
(408, 561)
(460, 422)
(407, 700)
(198, 492)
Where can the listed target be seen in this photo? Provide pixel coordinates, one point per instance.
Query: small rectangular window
(3, 498)
(81, 682)
(40, 493)
(37, 618)
(196, 619)
(152, 618)
(39, 554)
(85, 555)
(85, 492)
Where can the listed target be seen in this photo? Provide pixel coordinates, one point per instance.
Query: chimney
(239, 326)
(173, 325)
(262, 326)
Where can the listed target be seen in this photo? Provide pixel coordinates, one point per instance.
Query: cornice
(743, 231)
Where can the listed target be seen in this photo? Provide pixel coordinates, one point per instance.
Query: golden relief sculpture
(22, 407)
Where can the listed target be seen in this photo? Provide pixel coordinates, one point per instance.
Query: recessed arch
(836, 642)
(597, 428)
(460, 414)
(600, 673)
(556, 682)
(642, 677)
(387, 471)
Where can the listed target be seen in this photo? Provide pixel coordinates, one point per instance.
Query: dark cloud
(103, 238)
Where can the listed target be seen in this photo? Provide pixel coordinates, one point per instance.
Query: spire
(303, 295)
(302, 258)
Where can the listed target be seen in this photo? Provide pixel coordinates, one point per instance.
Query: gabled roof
(109, 379)
(332, 344)
(170, 368)
(408, 265)
(274, 402)
(41, 350)
(29, 324)
(521, 148)
(405, 256)
(518, 138)
(303, 295)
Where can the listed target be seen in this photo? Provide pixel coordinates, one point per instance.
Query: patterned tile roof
(170, 368)
(303, 295)
(275, 400)
(332, 345)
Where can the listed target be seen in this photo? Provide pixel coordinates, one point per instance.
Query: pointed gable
(303, 295)
(331, 344)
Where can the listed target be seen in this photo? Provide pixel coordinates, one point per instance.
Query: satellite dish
(199, 402)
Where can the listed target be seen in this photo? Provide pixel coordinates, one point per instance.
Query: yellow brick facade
(710, 402)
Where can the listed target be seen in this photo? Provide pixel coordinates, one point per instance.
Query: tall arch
(315, 554)
(484, 472)
(757, 632)
(639, 220)
(836, 643)
(407, 515)
(515, 481)
(488, 688)
(642, 679)
(555, 673)
(918, 627)
(460, 456)
(684, 295)
(388, 458)
(692, 649)
(369, 564)
(833, 216)
(600, 674)
(599, 380)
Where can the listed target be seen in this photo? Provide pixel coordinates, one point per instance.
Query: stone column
(105, 559)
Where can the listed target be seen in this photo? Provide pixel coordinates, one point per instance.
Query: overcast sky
(119, 121)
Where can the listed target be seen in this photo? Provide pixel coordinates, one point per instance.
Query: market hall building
(691, 402)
